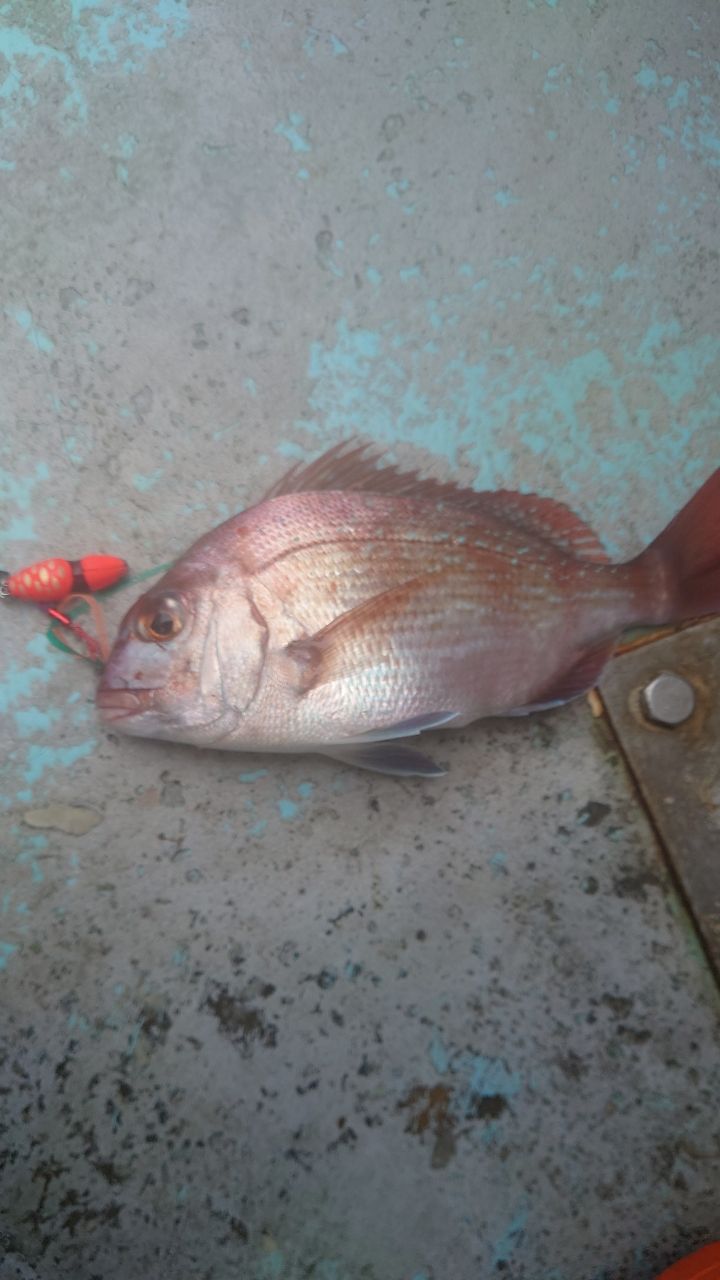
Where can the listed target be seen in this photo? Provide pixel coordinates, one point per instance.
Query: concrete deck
(278, 1019)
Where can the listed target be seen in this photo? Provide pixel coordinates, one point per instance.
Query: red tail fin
(689, 551)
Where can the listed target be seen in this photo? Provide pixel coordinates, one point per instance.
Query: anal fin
(578, 679)
(531, 707)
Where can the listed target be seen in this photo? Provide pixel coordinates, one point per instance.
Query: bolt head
(668, 700)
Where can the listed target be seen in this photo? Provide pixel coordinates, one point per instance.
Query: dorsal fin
(354, 466)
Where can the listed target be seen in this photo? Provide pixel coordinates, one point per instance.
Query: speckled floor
(274, 1019)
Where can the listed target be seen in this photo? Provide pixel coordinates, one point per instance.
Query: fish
(357, 605)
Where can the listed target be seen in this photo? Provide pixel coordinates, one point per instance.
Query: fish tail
(683, 563)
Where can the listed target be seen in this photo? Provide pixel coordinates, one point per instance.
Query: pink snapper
(357, 605)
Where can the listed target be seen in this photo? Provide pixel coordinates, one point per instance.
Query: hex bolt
(668, 700)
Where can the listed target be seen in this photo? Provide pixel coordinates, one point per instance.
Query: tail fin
(689, 552)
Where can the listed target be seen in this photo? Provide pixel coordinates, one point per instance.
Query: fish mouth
(119, 704)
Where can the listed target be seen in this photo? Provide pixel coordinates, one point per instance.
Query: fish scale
(371, 561)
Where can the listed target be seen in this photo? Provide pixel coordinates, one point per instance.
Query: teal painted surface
(40, 758)
(294, 131)
(33, 333)
(491, 406)
(17, 492)
(73, 39)
(511, 1238)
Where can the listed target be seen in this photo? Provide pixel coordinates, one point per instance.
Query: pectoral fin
(358, 639)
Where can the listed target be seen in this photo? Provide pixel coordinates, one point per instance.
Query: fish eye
(163, 620)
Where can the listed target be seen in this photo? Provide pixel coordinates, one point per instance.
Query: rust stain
(430, 1109)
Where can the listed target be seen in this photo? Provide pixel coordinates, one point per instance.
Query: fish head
(187, 659)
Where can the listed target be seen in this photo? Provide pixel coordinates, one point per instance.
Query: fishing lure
(50, 581)
(70, 582)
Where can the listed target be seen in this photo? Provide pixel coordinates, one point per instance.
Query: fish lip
(118, 704)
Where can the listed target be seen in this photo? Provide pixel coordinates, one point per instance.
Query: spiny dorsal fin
(355, 466)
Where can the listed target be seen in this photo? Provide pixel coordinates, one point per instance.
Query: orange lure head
(52, 580)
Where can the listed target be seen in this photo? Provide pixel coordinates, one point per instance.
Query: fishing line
(97, 649)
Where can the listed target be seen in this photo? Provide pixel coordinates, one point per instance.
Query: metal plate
(678, 769)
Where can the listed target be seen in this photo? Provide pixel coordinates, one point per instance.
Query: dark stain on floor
(636, 885)
(593, 813)
(155, 1024)
(242, 1022)
(110, 1172)
(488, 1107)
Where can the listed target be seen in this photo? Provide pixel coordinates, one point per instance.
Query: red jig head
(53, 580)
